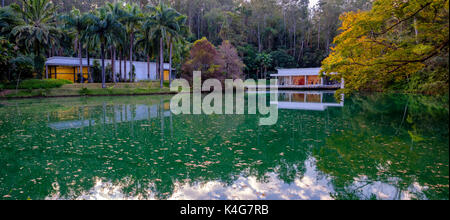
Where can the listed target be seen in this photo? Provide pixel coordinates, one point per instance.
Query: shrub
(1, 87)
(43, 84)
(110, 89)
(84, 91)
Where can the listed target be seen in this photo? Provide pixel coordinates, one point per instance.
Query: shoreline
(174, 93)
(88, 95)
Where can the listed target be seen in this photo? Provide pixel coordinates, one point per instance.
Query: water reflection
(308, 100)
(310, 186)
(373, 147)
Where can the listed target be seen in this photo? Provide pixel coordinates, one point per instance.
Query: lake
(373, 146)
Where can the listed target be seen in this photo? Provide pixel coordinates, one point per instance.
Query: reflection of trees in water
(116, 147)
(381, 145)
(151, 150)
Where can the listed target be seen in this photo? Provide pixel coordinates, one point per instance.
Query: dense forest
(270, 34)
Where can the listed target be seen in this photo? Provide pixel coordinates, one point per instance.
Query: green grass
(122, 91)
(92, 90)
(27, 93)
(40, 84)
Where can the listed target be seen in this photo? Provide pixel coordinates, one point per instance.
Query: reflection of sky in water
(311, 186)
(136, 149)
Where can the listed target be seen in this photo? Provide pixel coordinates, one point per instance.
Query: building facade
(304, 78)
(68, 68)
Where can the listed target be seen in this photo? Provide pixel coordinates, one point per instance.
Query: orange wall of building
(313, 80)
(298, 80)
(65, 72)
(166, 75)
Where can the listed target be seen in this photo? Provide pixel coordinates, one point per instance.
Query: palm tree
(165, 23)
(37, 28)
(89, 42)
(104, 27)
(179, 37)
(8, 20)
(132, 21)
(77, 25)
(118, 42)
(146, 40)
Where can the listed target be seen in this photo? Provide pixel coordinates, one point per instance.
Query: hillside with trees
(398, 45)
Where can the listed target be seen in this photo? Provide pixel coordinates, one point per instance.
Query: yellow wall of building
(166, 75)
(65, 72)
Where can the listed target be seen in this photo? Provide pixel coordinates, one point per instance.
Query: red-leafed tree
(233, 64)
(204, 57)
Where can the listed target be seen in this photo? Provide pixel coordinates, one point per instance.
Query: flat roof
(65, 61)
(298, 72)
(74, 61)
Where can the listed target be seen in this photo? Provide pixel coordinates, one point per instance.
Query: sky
(312, 3)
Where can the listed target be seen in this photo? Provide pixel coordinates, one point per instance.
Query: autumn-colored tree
(205, 58)
(393, 45)
(233, 64)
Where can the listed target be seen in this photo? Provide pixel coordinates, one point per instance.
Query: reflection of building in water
(307, 100)
(77, 117)
(304, 78)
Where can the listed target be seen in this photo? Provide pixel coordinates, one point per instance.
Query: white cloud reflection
(311, 186)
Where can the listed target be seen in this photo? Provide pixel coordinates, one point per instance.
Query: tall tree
(176, 35)
(77, 24)
(146, 40)
(233, 65)
(104, 26)
(165, 22)
(37, 29)
(132, 19)
(205, 58)
(117, 42)
(8, 20)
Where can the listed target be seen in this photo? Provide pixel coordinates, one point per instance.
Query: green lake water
(365, 147)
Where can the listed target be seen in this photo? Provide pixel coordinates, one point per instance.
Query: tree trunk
(111, 73)
(300, 55)
(125, 68)
(131, 57)
(295, 37)
(416, 31)
(170, 62)
(81, 61)
(113, 64)
(158, 72)
(90, 80)
(102, 52)
(161, 60)
(318, 37)
(120, 65)
(259, 39)
(148, 67)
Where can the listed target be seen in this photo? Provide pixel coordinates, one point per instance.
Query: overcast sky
(312, 3)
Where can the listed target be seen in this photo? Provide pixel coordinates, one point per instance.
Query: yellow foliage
(388, 43)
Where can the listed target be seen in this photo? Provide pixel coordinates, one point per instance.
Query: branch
(403, 20)
(434, 53)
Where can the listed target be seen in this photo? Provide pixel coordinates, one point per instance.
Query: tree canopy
(397, 43)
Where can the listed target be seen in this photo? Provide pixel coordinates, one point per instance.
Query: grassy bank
(94, 89)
